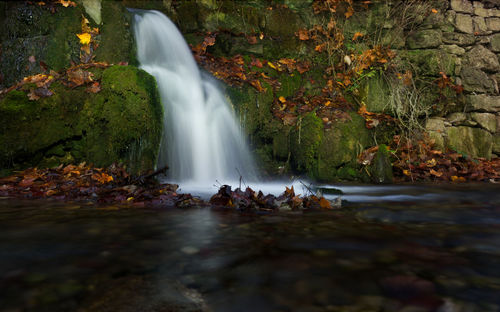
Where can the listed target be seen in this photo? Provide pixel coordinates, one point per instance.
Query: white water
(202, 142)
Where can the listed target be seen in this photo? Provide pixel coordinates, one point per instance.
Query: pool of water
(390, 248)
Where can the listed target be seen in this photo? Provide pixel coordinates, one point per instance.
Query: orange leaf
(303, 34)
(282, 99)
(319, 48)
(349, 13)
(357, 35)
(94, 87)
(324, 204)
(434, 11)
(256, 84)
(436, 173)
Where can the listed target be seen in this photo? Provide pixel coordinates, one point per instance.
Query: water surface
(404, 248)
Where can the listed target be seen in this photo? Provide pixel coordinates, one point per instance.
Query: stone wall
(470, 34)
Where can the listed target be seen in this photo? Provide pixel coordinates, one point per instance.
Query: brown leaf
(289, 120)
(257, 63)
(94, 87)
(252, 39)
(77, 77)
(303, 34)
(256, 84)
(324, 203)
(357, 35)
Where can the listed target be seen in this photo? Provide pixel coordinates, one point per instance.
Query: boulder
(340, 147)
(121, 123)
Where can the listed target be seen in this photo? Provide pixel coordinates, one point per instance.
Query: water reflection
(380, 255)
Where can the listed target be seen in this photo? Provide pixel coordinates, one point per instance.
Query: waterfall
(202, 142)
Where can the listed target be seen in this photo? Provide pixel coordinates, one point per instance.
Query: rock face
(460, 39)
(121, 123)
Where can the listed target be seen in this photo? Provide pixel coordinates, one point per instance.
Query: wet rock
(381, 169)
(405, 287)
(144, 293)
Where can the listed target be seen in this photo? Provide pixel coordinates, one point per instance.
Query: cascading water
(202, 142)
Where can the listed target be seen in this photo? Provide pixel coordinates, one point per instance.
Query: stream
(404, 248)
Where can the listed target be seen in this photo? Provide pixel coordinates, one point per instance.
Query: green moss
(428, 62)
(306, 138)
(375, 93)
(63, 45)
(290, 84)
(340, 147)
(122, 123)
(117, 42)
(381, 168)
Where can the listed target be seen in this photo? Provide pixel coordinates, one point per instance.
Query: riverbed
(389, 248)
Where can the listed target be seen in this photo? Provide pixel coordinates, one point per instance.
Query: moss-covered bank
(121, 123)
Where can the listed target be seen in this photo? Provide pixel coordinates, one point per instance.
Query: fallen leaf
(303, 34)
(282, 99)
(94, 87)
(324, 203)
(84, 38)
(252, 39)
(350, 12)
(357, 35)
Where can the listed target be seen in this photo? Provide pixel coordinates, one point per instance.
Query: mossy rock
(117, 42)
(381, 168)
(428, 62)
(473, 142)
(306, 138)
(340, 148)
(375, 92)
(121, 123)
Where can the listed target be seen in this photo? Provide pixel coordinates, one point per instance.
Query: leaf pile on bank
(86, 183)
(251, 201)
(417, 160)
